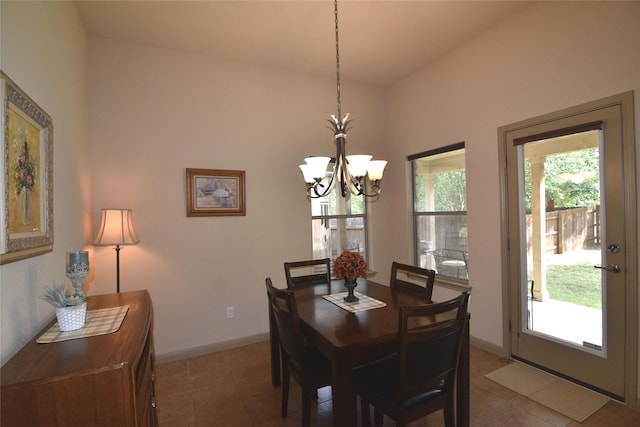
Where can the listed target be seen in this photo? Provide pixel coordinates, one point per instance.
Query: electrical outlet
(229, 312)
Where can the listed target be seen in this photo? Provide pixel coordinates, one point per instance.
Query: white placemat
(364, 302)
(99, 322)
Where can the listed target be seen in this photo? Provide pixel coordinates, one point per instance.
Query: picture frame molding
(17, 244)
(202, 186)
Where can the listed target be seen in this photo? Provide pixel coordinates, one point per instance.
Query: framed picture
(212, 192)
(27, 184)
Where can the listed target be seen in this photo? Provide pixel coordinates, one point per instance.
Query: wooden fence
(569, 229)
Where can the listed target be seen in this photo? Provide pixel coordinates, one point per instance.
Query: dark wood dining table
(348, 339)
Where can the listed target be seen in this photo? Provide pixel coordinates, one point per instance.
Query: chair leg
(377, 416)
(306, 406)
(364, 411)
(449, 417)
(285, 390)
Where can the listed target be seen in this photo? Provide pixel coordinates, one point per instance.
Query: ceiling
(381, 42)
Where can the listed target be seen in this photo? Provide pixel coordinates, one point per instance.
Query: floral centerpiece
(349, 266)
(71, 310)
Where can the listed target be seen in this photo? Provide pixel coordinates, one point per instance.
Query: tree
(450, 191)
(570, 179)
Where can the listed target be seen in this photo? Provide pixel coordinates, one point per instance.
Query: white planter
(72, 317)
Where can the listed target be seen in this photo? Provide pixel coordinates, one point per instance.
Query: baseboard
(210, 348)
(487, 346)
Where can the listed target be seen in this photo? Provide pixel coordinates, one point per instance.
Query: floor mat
(562, 396)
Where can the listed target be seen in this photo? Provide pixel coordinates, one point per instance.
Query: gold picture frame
(27, 184)
(215, 192)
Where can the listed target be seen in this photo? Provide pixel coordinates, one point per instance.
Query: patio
(570, 322)
(575, 323)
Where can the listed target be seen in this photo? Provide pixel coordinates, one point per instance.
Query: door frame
(625, 102)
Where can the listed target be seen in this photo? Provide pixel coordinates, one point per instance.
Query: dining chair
(413, 279)
(420, 378)
(299, 359)
(319, 272)
(314, 272)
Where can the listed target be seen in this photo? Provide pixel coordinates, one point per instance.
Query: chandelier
(349, 171)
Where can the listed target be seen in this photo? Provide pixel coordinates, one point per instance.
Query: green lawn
(577, 283)
(572, 278)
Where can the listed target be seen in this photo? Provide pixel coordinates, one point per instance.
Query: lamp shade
(307, 171)
(376, 169)
(116, 228)
(317, 167)
(358, 164)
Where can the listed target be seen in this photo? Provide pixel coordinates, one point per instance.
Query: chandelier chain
(349, 172)
(335, 3)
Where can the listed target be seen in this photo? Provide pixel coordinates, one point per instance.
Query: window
(440, 211)
(339, 224)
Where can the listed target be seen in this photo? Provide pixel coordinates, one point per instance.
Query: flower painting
(28, 175)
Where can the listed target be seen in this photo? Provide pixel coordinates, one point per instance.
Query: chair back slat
(413, 279)
(318, 272)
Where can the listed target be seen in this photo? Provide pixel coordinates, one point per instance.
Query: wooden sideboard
(99, 381)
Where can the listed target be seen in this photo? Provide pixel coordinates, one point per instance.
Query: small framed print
(215, 192)
(27, 184)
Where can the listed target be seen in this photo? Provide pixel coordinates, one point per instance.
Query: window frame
(455, 282)
(343, 217)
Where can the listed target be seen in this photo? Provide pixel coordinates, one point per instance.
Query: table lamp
(116, 228)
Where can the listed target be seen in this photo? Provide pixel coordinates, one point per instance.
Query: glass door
(567, 244)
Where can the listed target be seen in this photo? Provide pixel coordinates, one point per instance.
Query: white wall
(156, 112)
(552, 56)
(44, 51)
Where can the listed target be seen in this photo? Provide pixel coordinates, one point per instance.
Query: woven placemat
(364, 303)
(99, 322)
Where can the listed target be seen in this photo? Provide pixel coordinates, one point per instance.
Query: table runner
(364, 303)
(99, 322)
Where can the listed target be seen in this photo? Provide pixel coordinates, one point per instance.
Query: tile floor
(232, 388)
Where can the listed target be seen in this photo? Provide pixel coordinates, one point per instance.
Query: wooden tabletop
(345, 329)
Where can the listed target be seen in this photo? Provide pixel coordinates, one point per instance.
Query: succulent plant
(57, 296)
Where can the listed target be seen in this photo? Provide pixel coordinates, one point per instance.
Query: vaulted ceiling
(380, 41)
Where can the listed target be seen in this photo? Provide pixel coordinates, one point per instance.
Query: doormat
(567, 398)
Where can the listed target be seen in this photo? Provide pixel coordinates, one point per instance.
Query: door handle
(613, 268)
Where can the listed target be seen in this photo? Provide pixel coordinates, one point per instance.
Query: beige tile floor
(232, 388)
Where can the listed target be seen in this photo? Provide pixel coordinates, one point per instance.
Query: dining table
(350, 338)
